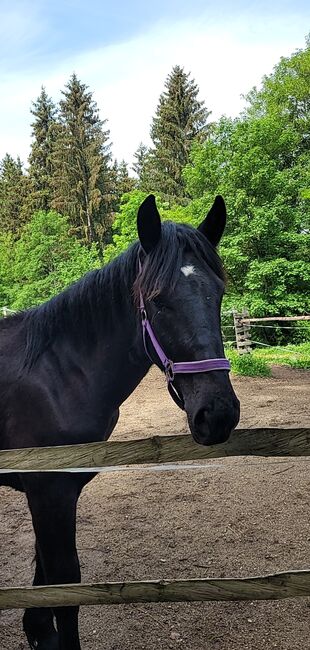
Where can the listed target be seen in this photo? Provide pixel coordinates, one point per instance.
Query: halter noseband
(170, 367)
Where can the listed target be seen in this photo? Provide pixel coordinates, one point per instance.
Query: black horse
(68, 365)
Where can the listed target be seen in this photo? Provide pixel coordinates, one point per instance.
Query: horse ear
(149, 224)
(214, 224)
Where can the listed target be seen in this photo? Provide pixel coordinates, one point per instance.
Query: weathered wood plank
(158, 449)
(271, 587)
(274, 318)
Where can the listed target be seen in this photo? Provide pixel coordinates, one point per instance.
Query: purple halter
(180, 367)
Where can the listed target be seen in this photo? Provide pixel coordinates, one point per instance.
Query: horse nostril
(212, 418)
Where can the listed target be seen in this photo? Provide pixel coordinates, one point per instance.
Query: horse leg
(38, 623)
(52, 500)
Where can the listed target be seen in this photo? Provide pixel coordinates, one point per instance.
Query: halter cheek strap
(181, 367)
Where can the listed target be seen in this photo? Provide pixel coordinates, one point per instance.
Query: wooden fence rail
(271, 587)
(274, 318)
(158, 449)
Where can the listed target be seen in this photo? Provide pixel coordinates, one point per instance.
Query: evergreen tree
(124, 182)
(82, 179)
(142, 167)
(40, 167)
(124, 229)
(180, 118)
(13, 192)
(121, 183)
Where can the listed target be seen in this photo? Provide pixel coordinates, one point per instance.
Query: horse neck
(123, 359)
(93, 326)
(109, 341)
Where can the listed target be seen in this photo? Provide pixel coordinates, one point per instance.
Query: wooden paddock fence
(165, 449)
(243, 322)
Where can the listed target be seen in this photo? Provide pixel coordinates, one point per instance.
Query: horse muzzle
(212, 423)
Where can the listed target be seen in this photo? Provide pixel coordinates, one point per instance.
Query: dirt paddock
(232, 517)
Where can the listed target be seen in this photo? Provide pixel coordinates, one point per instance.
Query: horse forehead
(187, 270)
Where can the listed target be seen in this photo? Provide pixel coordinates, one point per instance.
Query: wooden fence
(278, 586)
(242, 332)
(158, 449)
(96, 456)
(242, 327)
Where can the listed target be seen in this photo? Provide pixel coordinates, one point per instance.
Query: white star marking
(188, 270)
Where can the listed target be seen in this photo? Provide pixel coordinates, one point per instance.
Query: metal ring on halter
(169, 371)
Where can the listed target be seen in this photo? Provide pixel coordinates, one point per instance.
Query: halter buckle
(143, 314)
(169, 372)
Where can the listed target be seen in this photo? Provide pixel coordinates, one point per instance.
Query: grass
(247, 365)
(259, 362)
(295, 356)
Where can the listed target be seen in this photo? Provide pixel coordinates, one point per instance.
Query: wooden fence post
(242, 331)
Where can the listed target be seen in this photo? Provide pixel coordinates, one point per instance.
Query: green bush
(247, 365)
(42, 262)
(303, 364)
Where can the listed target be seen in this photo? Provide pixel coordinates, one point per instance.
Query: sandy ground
(232, 517)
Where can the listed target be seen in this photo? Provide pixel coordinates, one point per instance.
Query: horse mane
(94, 302)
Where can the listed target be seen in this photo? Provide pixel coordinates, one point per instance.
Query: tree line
(76, 207)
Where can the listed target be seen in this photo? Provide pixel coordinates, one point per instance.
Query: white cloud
(127, 78)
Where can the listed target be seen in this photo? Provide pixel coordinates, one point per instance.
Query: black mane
(100, 296)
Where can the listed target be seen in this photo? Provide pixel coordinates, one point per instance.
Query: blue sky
(124, 51)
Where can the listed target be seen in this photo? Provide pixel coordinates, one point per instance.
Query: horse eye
(161, 306)
(158, 303)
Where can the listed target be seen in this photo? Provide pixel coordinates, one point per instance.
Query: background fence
(96, 456)
(239, 333)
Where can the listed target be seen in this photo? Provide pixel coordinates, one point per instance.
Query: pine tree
(180, 118)
(124, 182)
(40, 166)
(142, 167)
(82, 178)
(13, 192)
(121, 183)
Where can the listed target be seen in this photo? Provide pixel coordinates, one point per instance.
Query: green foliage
(124, 230)
(82, 179)
(260, 162)
(13, 191)
(299, 364)
(295, 356)
(285, 94)
(247, 364)
(43, 261)
(40, 164)
(124, 225)
(259, 362)
(180, 119)
(6, 262)
(124, 183)
(142, 167)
